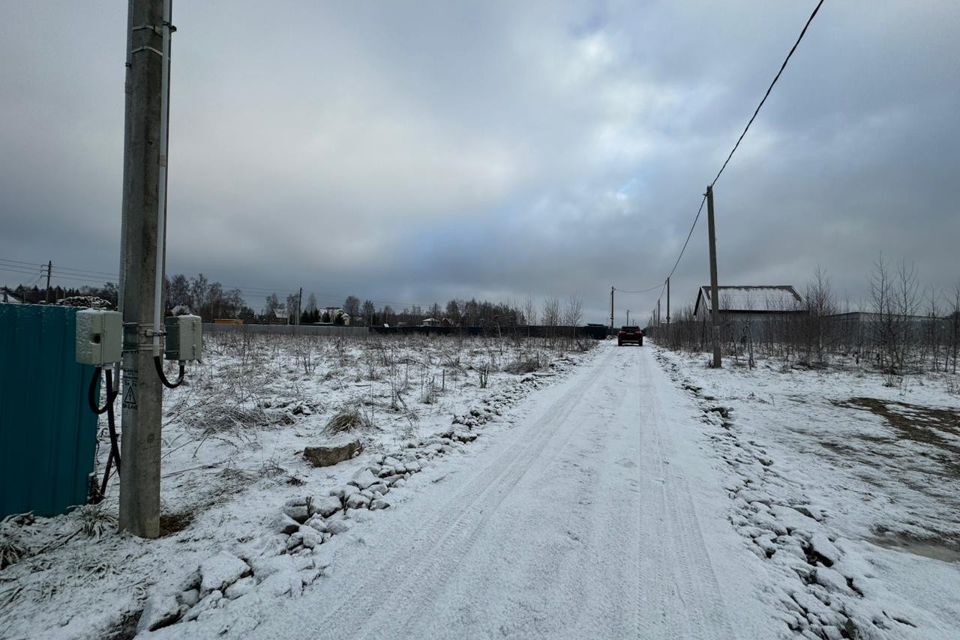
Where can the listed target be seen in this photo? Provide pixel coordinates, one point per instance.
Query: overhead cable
(769, 89)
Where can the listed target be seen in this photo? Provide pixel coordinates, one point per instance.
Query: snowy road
(596, 515)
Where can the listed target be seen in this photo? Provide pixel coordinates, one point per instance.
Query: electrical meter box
(99, 337)
(184, 338)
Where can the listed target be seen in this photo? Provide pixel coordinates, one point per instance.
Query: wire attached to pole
(107, 408)
(158, 364)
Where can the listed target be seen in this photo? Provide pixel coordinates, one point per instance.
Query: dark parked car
(630, 334)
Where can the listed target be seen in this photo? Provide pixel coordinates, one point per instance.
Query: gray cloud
(410, 153)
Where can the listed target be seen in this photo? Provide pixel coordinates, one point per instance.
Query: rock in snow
(298, 512)
(363, 479)
(211, 601)
(285, 524)
(822, 546)
(344, 492)
(160, 611)
(358, 501)
(328, 455)
(326, 506)
(336, 526)
(220, 571)
(241, 587)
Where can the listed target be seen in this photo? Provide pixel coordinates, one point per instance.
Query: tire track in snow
(578, 522)
(439, 544)
(671, 524)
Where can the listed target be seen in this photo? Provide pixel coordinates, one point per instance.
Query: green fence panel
(48, 434)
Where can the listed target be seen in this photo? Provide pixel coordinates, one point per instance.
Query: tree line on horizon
(212, 301)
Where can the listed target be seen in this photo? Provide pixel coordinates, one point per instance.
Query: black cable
(648, 289)
(687, 241)
(158, 364)
(111, 419)
(769, 89)
(92, 400)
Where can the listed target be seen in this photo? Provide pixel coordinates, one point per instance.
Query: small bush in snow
(348, 420)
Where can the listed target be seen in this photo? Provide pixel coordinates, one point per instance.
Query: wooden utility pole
(668, 302)
(299, 304)
(49, 273)
(142, 230)
(658, 312)
(714, 294)
(611, 309)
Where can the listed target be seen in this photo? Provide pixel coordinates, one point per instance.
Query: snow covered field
(848, 487)
(511, 489)
(233, 437)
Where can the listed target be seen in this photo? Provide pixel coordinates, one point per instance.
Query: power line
(732, 151)
(685, 242)
(769, 89)
(83, 272)
(28, 272)
(58, 268)
(647, 290)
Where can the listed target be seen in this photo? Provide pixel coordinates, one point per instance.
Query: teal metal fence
(47, 432)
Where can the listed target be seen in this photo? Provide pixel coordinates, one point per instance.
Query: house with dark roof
(754, 303)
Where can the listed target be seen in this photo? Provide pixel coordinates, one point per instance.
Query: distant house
(744, 303)
(333, 313)
(280, 316)
(7, 296)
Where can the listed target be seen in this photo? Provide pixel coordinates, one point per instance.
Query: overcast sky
(416, 151)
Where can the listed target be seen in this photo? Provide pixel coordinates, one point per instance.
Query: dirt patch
(171, 523)
(924, 425)
(944, 548)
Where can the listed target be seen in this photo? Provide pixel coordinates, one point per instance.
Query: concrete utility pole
(611, 309)
(49, 273)
(715, 302)
(668, 302)
(628, 316)
(144, 153)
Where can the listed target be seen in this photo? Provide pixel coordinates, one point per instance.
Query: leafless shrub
(95, 521)
(223, 419)
(525, 365)
(349, 419)
(13, 548)
(271, 468)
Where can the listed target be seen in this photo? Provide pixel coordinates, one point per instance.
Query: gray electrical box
(99, 337)
(184, 338)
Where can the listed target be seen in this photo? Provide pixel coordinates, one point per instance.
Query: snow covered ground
(507, 489)
(847, 486)
(591, 511)
(232, 443)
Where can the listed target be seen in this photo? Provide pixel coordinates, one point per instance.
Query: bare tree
(819, 302)
(880, 295)
(955, 326)
(271, 305)
(573, 311)
(529, 311)
(351, 307)
(551, 312)
(906, 301)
